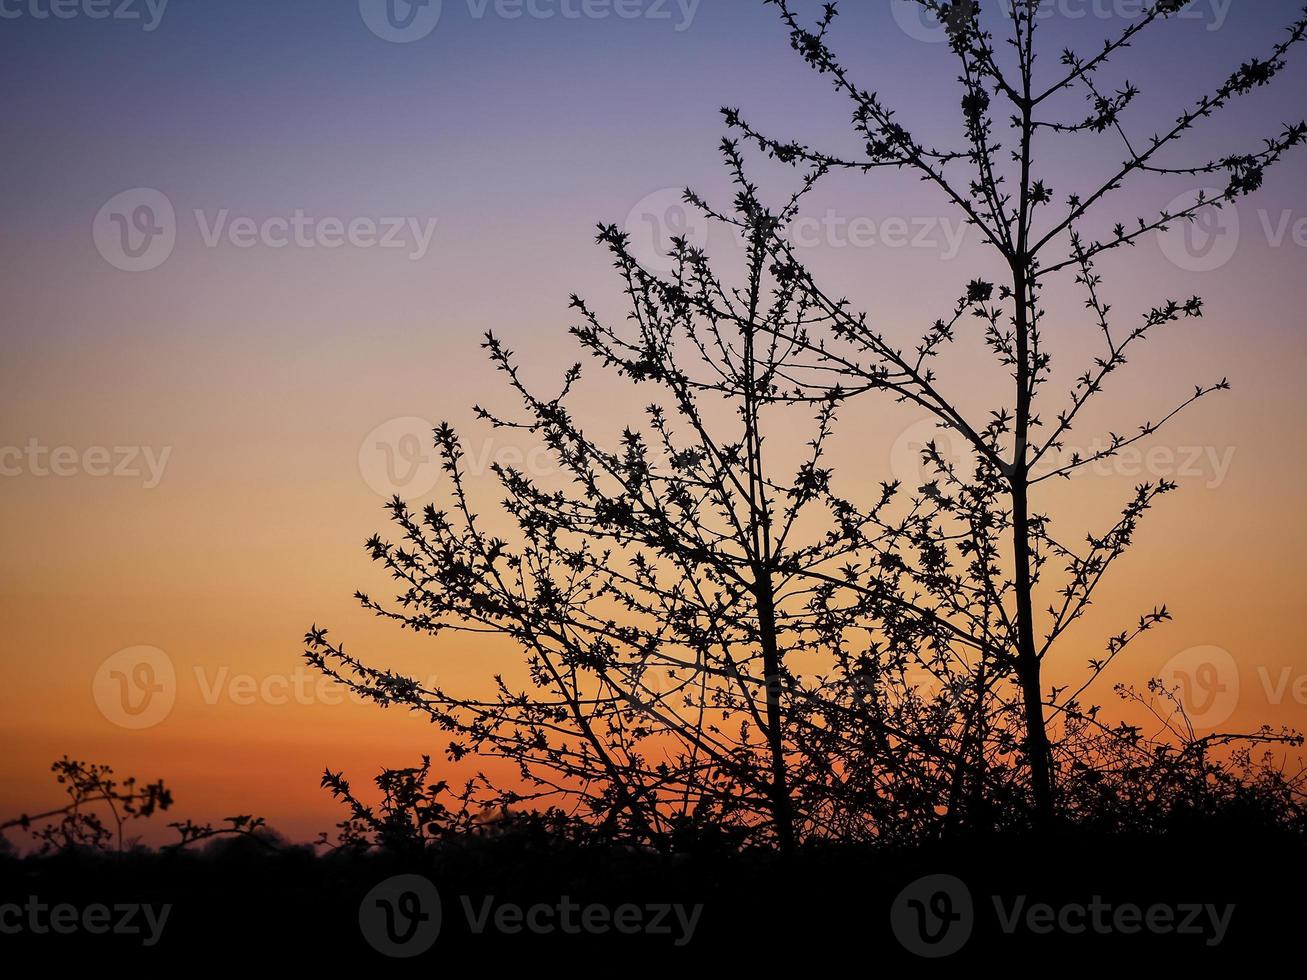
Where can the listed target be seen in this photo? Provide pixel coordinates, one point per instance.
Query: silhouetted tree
(718, 637)
(1003, 192)
(695, 605)
(411, 813)
(99, 806)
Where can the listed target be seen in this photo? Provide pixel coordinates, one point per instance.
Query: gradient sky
(263, 371)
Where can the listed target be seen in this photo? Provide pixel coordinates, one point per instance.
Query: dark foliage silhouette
(992, 584)
(716, 639)
(100, 806)
(263, 897)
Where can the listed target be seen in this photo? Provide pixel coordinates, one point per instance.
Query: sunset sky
(241, 386)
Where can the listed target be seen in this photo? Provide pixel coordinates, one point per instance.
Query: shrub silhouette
(717, 640)
(100, 806)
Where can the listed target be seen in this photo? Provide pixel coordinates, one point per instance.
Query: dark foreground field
(522, 900)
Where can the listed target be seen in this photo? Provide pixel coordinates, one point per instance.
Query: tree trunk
(782, 812)
(1028, 664)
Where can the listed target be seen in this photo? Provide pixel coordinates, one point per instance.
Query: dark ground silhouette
(1218, 884)
(241, 903)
